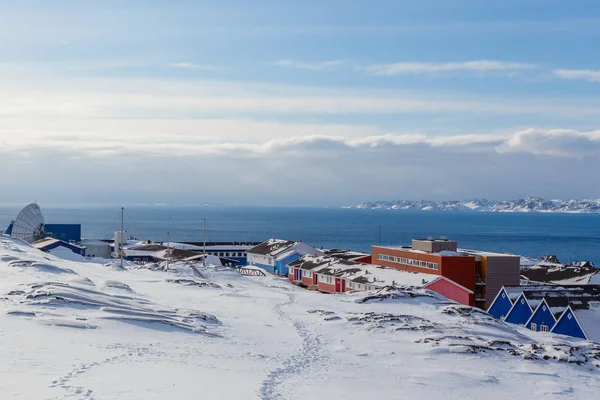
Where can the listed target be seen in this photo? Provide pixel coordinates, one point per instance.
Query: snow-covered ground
(84, 330)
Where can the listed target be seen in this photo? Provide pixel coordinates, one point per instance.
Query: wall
(66, 232)
(405, 254)
(452, 292)
(460, 269)
(500, 271)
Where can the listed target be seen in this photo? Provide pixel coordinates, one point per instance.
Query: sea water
(569, 236)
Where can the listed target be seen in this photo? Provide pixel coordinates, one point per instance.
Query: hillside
(96, 331)
(529, 204)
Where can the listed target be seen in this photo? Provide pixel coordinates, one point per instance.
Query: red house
(333, 275)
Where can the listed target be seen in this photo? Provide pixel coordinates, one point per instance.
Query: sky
(271, 102)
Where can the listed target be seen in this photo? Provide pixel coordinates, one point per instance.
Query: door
(338, 285)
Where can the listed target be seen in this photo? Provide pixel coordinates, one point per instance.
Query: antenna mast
(122, 235)
(169, 243)
(204, 244)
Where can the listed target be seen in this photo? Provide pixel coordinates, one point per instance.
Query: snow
(87, 331)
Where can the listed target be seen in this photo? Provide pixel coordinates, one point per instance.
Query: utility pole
(204, 244)
(169, 244)
(122, 241)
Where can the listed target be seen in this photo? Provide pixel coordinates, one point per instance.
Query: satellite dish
(29, 224)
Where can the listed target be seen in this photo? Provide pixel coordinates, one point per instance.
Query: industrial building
(483, 273)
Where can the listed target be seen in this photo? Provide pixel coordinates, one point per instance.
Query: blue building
(501, 305)
(542, 318)
(48, 244)
(569, 325)
(520, 312)
(64, 232)
(572, 310)
(274, 255)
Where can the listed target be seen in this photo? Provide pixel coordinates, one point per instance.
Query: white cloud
(188, 65)
(314, 65)
(404, 68)
(583, 74)
(556, 143)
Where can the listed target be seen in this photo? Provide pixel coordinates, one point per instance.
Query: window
(543, 328)
(308, 274)
(533, 326)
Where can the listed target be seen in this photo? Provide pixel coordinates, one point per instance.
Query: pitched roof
(550, 272)
(579, 297)
(45, 242)
(272, 247)
(362, 273)
(345, 254)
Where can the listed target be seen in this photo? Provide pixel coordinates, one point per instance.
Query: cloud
(405, 68)
(583, 74)
(188, 65)
(313, 66)
(556, 143)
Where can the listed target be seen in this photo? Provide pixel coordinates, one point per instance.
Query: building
(551, 271)
(572, 310)
(482, 272)
(335, 275)
(274, 255)
(349, 255)
(64, 232)
(155, 252)
(97, 248)
(231, 250)
(48, 244)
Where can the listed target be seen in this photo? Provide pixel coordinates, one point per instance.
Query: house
(274, 255)
(542, 319)
(335, 275)
(572, 310)
(551, 270)
(349, 255)
(480, 271)
(49, 243)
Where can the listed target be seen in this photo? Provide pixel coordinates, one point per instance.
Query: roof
(272, 247)
(345, 254)
(579, 297)
(43, 243)
(362, 273)
(551, 272)
(443, 253)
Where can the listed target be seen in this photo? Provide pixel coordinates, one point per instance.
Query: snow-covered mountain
(529, 204)
(87, 330)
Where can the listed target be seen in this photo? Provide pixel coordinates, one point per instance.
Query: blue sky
(299, 102)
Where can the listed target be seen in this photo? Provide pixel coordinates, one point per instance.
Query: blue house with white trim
(501, 305)
(520, 312)
(542, 318)
(572, 310)
(274, 255)
(568, 325)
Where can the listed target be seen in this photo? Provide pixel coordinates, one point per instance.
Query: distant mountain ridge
(529, 204)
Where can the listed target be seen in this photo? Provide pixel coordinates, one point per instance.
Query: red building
(434, 257)
(333, 275)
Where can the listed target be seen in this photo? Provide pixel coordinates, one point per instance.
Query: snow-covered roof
(562, 274)
(362, 273)
(272, 247)
(43, 243)
(345, 254)
(444, 253)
